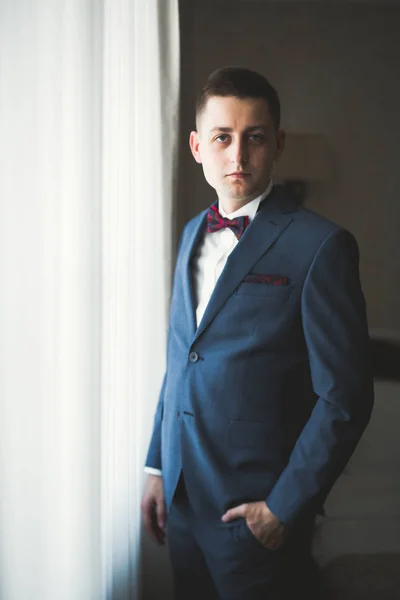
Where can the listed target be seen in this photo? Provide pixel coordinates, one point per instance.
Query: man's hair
(240, 83)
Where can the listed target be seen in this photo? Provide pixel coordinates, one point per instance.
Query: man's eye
(222, 138)
(257, 137)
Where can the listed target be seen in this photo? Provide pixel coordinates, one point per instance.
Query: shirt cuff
(152, 471)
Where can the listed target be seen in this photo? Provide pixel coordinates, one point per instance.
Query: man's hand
(153, 508)
(263, 524)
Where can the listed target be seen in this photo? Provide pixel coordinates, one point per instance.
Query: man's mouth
(238, 175)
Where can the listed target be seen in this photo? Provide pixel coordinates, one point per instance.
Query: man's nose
(239, 153)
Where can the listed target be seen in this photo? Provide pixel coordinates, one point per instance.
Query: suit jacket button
(193, 357)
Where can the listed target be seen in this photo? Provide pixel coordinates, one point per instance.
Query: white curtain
(88, 135)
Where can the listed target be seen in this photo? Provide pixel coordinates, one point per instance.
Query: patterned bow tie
(216, 222)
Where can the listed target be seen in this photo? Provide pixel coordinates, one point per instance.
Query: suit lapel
(188, 285)
(274, 216)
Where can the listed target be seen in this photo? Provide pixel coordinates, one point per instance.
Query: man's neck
(231, 205)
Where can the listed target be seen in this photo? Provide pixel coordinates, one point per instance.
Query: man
(268, 387)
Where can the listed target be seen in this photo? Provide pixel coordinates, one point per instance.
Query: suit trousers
(225, 561)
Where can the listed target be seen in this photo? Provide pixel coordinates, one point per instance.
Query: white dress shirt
(210, 259)
(212, 254)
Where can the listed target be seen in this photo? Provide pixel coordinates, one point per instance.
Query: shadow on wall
(386, 360)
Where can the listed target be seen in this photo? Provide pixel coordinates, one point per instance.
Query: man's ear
(280, 143)
(194, 143)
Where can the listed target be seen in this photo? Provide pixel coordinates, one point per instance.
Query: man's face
(237, 144)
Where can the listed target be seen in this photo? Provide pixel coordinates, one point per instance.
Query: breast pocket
(265, 289)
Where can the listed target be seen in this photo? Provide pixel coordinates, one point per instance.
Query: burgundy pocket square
(271, 279)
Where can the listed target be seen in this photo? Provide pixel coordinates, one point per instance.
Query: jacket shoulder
(315, 228)
(312, 219)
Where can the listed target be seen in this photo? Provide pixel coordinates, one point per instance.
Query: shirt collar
(249, 209)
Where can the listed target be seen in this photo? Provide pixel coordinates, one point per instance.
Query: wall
(335, 67)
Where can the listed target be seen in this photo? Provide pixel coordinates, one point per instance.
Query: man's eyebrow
(230, 129)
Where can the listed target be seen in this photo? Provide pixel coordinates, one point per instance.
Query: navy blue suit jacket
(268, 397)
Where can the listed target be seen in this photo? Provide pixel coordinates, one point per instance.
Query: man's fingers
(150, 523)
(153, 508)
(235, 513)
(275, 539)
(161, 514)
(158, 532)
(147, 520)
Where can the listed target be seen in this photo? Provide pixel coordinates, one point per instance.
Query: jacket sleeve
(336, 335)
(153, 460)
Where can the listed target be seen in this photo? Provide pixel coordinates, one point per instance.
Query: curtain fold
(140, 115)
(88, 121)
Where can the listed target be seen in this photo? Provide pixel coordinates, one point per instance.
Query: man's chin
(243, 194)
